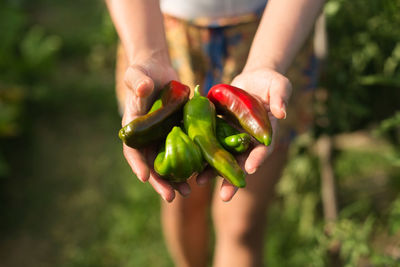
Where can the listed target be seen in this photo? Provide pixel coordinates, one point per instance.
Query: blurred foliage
(27, 55)
(67, 195)
(359, 90)
(367, 185)
(69, 199)
(394, 217)
(362, 72)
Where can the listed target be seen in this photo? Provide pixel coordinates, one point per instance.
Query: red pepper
(247, 109)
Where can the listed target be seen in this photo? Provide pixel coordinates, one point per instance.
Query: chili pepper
(230, 138)
(179, 158)
(155, 125)
(247, 109)
(199, 120)
(156, 105)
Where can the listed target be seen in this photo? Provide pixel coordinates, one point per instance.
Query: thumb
(279, 94)
(137, 79)
(140, 89)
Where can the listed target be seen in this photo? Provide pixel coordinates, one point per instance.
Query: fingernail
(143, 179)
(283, 109)
(166, 200)
(185, 191)
(202, 181)
(284, 112)
(224, 198)
(140, 178)
(252, 170)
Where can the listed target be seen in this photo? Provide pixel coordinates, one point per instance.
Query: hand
(142, 81)
(274, 90)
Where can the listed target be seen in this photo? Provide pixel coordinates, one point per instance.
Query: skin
(148, 68)
(283, 29)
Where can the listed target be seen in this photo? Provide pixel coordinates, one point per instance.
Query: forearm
(139, 24)
(284, 27)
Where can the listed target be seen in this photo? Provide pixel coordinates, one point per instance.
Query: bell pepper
(156, 125)
(199, 120)
(248, 110)
(230, 138)
(179, 158)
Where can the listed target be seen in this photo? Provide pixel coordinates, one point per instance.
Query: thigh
(245, 214)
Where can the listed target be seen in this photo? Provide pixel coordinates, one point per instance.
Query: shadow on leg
(240, 223)
(185, 225)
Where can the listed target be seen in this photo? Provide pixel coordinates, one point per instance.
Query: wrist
(270, 64)
(139, 56)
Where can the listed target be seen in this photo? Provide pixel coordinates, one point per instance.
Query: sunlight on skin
(252, 160)
(272, 88)
(141, 89)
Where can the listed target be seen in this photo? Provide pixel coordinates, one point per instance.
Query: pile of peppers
(191, 132)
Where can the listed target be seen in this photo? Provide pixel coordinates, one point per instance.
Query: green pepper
(180, 157)
(199, 120)
(230, 138)
(155, 125)
(156, 105)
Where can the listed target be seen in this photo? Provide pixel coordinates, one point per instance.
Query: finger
(279, 94)
(162, 187)
(253, 159)
(256, 157)
(137, 79)
(241, 158)
(129, 115)
(142, 88)
(227, 191)
(205, 177)
(137, 162)
(183, 188)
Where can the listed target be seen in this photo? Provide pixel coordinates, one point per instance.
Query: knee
(245, 228)
(190, 208)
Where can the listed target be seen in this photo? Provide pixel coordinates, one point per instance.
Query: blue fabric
(216, 52)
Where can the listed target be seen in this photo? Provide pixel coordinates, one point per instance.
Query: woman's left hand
(274, 90)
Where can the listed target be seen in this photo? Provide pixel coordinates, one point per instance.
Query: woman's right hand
(142, 81)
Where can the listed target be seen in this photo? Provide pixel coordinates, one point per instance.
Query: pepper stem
(197, 90)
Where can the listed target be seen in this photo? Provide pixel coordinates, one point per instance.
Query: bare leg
(240, 223)
(185, 223)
